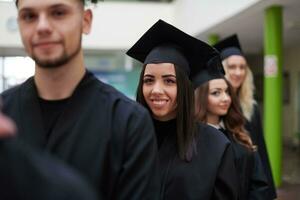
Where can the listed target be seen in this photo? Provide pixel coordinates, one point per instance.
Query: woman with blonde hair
(239, 74)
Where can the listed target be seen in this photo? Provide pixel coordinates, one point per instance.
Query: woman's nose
(226, 97)
(157, 88)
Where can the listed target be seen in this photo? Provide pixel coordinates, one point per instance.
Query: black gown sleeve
(258, 182)
(256, 131)
(226, 186)
(139, 176)
(28, 174)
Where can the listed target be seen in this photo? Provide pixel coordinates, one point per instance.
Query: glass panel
(16, 70)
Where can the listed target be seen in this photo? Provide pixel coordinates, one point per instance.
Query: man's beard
(57, 62)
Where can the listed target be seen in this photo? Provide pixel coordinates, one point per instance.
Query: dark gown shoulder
(88, 84)
(11, 91)
(209, 134)
(210, 175)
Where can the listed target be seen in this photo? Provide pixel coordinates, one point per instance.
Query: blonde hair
(245, 93)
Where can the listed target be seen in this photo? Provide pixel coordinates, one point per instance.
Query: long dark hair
(185, 120)
(234, 120)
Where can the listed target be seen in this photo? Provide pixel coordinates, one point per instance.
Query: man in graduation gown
(27, 174)
(66, 111)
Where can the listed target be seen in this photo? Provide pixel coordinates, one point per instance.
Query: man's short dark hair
(83, 1)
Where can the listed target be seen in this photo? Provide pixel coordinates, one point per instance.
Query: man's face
(51, 29)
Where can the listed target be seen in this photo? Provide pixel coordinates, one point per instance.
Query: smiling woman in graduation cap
(196, 161)
(240, 76)
(217, 105)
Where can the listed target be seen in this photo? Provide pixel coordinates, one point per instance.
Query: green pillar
(213, 39)
(273, 88)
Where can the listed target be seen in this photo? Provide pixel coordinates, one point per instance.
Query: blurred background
(118, 24)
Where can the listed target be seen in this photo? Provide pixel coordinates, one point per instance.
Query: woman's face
(236, 70)
(218, 99)
(160, 90)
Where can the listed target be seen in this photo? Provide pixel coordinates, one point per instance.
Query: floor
(290, 188)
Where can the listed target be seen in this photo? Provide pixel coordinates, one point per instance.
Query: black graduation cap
(213, 70)
(164, 43)
(229, 46)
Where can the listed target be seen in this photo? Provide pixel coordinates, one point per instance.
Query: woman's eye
(147, 80)
(231, 67)
(243, 67)
(215, 93)
(170, 81)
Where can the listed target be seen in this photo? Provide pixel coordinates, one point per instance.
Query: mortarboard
(164, 43)
(229, 46)
(213, 70)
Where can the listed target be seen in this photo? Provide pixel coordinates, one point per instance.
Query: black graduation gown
(256, 132)
(26, 174)
(253, 183)
(209, 176)
(106, 136)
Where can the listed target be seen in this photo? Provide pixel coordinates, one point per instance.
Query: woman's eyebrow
(168, 75)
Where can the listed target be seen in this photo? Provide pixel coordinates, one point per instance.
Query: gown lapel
(31, 129)
(167, 155)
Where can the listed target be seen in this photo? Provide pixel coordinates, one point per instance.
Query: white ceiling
(249, 24)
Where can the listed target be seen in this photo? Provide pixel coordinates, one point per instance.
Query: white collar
(218, 126)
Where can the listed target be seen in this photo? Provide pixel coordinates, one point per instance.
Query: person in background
(28, 174)
(195, 160)
(239, 74)
(65, 110)
(217, 105)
